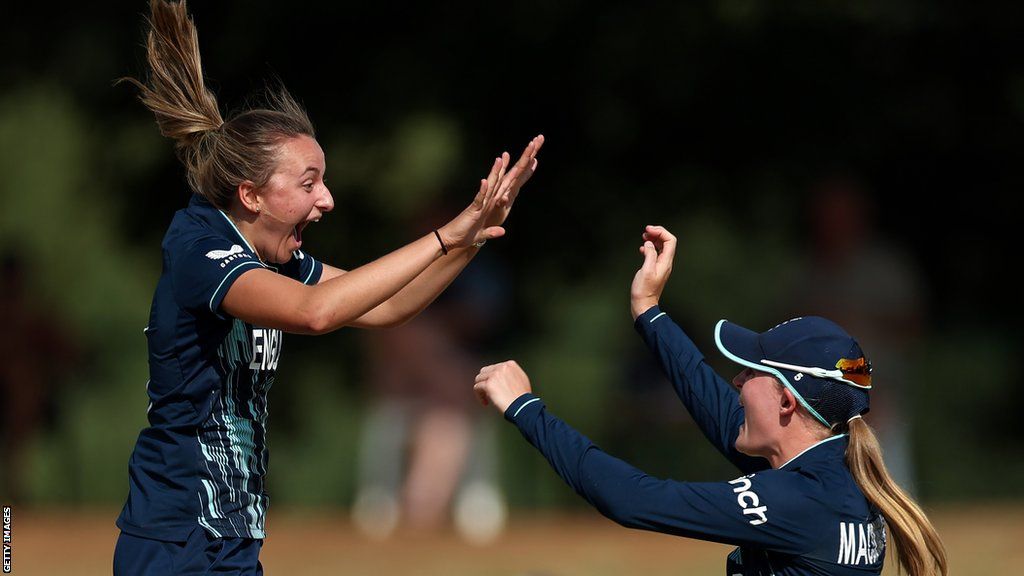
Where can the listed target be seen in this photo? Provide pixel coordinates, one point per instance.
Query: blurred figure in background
(38, 352)
(855, 277)
(426, 454)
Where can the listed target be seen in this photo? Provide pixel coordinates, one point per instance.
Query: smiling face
(294, 196)
(763, 401)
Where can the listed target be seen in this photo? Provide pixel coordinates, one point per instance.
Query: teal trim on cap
(763, 368)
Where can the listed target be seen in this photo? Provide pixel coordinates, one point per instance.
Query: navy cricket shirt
(203, 458)
(806, 517)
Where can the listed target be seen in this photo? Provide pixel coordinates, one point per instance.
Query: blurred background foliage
(716, 118)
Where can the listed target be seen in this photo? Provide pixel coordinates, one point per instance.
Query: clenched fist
(500, 384)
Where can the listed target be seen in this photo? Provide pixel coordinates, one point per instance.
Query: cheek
(286, 206)
(756, 411)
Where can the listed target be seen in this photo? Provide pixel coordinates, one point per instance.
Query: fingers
(478, 200)
(650, 256)
(489, 233)
(652, 232)
(504, 179)
(505, 160)
(480, 384)
(499, 384)
(500, 182)
(524, 169)
(494, 232)
(663, 240)
(668, 243)
(481, 394)
(529, 153)
(523, 178)
(492, 180)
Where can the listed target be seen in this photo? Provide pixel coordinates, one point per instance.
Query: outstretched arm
(419, 293)
(262, 297)
(708, 511)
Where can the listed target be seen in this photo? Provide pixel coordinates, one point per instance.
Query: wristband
(444, 249)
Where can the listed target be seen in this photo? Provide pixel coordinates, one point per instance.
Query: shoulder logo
(221, 254)
(226, 256)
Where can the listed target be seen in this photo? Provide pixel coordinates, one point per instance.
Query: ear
(248, 197)
(787, 402)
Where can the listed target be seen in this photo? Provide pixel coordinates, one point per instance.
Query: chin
(743, 447)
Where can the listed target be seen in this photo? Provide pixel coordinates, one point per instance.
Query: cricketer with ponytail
(235, 277)
(814, 497)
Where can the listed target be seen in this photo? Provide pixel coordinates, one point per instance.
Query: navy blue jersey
(203, 458)
(806, 517)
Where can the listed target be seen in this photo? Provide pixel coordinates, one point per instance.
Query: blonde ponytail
(918, 546)
(218, 155)
(176, 91)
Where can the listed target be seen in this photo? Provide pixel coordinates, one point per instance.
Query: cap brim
(739, 344)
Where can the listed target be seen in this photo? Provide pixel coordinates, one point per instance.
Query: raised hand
(470, 226)
(482, 220)
(511, 183)
(658, 250)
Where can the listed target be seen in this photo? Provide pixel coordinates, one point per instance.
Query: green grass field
(982, 541)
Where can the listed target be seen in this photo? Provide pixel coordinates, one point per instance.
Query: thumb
(650, 257)
(493, 232)
(481, 393)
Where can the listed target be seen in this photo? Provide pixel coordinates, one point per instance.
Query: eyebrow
(311, 169)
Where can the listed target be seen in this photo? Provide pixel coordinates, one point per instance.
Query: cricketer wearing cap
(814, 497)
(804, 517)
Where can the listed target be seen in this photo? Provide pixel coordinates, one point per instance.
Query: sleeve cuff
(313, 278)
(226, 282)
(643, 322)
(522, 406)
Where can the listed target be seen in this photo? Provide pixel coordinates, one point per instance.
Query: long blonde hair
(918, 546)
(218, 155)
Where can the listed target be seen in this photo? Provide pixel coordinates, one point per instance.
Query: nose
(326, 201)
(739, 379)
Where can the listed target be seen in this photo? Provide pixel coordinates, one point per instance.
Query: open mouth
(297, 230)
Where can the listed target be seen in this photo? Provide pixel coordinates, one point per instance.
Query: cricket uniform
(808, 517)
(202, 461)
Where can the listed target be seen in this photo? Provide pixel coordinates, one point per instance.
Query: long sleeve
(712, 402)
(757, 510)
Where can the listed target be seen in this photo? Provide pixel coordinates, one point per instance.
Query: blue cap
(813, 357)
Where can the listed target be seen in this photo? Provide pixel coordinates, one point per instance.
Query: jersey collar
(216, 219)
(823, 450)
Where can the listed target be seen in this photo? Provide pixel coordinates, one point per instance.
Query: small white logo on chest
(219, 254)
(236, 251)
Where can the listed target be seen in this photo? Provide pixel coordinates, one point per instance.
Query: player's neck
(793, 445)
(246, 227)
